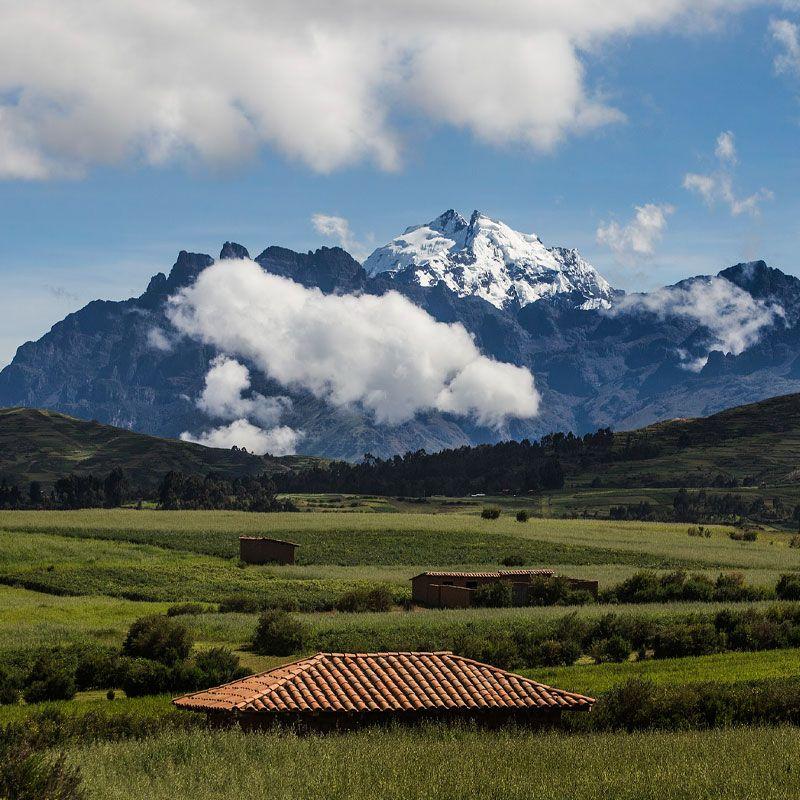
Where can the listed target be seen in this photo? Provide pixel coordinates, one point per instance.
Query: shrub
(279, 634)
(493, 595)
(186, 608)
(523, 516)
(158, 638)
(26, 774)
(97, 669)
(10, 686)
(51, 677)
(142, 676)
(218, 665)
(788, 587)
(514, 561)
(378, 598)
(240, 604)
(615, 648)
(687, 639)
(490, 512)
(697, 588)
(794, 541)
(747, 535)
(554, 653)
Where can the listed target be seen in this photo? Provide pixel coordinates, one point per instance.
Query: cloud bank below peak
(382, 353)
(321, 83)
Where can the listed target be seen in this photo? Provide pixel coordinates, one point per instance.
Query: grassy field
(437, 763)
(83, 577)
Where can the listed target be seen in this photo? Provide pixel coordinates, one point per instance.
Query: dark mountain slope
(44, 446)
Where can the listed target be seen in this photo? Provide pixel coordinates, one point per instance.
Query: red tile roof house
(455, 589)
(348, 690)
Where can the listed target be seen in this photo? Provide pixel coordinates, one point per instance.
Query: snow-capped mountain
(488, 259)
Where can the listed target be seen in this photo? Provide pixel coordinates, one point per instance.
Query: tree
(35, 494)
(115, 488)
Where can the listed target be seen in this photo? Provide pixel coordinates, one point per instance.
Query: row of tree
(177, 490)
(510, 467)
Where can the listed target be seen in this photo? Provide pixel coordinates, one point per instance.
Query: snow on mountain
(486, 258)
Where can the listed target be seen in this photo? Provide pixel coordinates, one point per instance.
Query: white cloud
(733, 317)
(338, 228)
(726, 147)
(638, 238)
(223, 395)
(786, 35)
(158, 340)
(383, 353)
(279, 441)
(717, 187)
(87, 82)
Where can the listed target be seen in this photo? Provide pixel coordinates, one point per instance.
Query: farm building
(455, 589)
(261, 550)
(336, 690)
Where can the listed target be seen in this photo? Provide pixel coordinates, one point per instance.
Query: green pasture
(435, 763)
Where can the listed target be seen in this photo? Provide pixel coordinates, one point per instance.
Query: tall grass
(439, 763)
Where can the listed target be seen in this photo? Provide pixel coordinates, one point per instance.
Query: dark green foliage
(693, 639)
(615, 648)
(158, 638)
(179, 491)
(181, 609)
(115, 488)
(555, 591)
(378, 598)
(788, 587)
(490, 512)
(97, 668)
(218, 665)
(554, 653)
(746, 535)
(641, 705)
(26, 774)
(241, 604)
(522, 516)
(51, 677)
(279, 634)
(493, 595)
(649, 587)
(514, 561)
(10, 685)
(141, 676)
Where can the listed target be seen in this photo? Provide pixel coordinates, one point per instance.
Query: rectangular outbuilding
(335, 690)
(441, 589)
(262, 550)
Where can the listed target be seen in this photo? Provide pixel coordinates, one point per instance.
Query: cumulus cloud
(226, 383)
(717, 187)
(382, 353)
(338, 228)
(732, 316)
(786, 36)
(86, 82)
(636, 239)
(223, 397)
(279, 441)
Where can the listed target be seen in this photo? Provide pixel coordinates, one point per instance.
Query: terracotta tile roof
(267, 539)
(359, 682)
(503, 573)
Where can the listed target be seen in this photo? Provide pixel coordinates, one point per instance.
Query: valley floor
(81, 578)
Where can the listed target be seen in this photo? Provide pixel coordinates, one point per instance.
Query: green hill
(44, 446)
(758, 444)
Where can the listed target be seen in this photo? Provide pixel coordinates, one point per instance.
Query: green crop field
(436, 764)
(81, 578)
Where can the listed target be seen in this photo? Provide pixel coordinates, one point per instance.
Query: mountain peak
(487, 258)
(233, 250)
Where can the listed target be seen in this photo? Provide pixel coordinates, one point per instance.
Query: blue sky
(102, 230)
